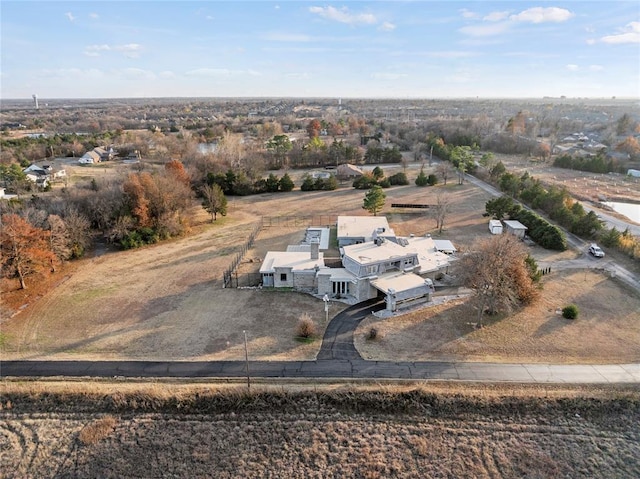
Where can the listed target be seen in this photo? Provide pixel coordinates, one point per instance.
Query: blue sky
(400, 49)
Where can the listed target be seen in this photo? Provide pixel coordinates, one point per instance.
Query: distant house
(515, 228)
(634, 173)
(89, 158)
(347, 171)
(97, 155)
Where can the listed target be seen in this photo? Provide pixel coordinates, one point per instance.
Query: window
(283, 276)
(340, 287)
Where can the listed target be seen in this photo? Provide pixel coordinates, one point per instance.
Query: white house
(400, 269)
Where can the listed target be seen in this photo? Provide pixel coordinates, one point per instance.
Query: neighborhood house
(374, 261)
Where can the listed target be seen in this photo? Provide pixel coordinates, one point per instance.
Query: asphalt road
(350, 369)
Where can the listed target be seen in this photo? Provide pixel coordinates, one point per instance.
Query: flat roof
(369, 252)
(362, 226)
(321, 232)
(297, 261)
(399, 283)
(515, 225)
(429, 258)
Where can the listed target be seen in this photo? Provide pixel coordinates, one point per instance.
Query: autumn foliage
(26, 250)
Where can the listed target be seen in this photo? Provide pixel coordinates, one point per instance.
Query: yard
(166, 301)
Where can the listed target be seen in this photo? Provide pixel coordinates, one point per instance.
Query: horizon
(305, 49)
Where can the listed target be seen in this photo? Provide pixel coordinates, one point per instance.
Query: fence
(232, 279)
(299, 221)
(230, 273)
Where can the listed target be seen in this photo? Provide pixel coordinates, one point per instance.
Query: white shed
(515, 228)
(495, 227)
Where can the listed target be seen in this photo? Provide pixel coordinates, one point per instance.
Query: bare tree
(444, 170)
(498, 270)
(441, 209)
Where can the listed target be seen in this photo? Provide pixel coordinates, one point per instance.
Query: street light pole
(246, 359)
(326, 308)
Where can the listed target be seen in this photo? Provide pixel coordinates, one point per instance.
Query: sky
(348, 49)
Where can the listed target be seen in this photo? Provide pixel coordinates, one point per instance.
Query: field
(434, 430)
(165, 301)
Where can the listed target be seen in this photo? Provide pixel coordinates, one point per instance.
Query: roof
(514, 225)
(362, 226)
(347, 169)
(402, 285)
(371, 253)
(297, 261)
(445, 245)
(338, 274)
(429, 258)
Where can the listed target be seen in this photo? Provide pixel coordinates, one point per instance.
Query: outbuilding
(515, 228)
(495, 227)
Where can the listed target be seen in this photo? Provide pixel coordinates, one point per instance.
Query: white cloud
(630, 33)
(387, 27)
(138, 73)
(485, 30)
(543, 15)
(287, 37)
(130, 50)
(572, 67)
(94, 50)
(209, 17)
(70, 16)
(495, 16)
(388, 76)
(596, 68)
(467, 13)
(208, 72)
(344, 16)
(298, 76)
(94, 16)
(166, 74)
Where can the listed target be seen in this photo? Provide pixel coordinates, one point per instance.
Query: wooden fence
(231, 272)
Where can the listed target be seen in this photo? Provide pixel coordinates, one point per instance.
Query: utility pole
(246, 359)
(326, 308)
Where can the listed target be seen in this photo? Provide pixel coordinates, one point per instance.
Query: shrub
(422, 179)
(570, 312)
(305, 328)
(398, 179)
(432, 180)
(97, 430)
(372, 335)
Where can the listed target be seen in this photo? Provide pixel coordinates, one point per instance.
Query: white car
(596, 251)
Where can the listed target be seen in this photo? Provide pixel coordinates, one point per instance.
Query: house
(398, 268)
(347, 171)
(634, 173)
(515, 228)
(89, 158)
(359, 229)
(292, 269)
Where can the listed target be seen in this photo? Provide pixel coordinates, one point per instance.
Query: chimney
(315, 248)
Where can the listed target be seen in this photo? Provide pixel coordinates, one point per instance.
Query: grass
(97, 430)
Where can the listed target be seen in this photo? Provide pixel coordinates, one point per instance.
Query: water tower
(35, 100)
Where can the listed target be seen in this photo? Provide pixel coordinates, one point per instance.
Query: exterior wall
(346, 241)
(324, 283)
(518, 233)
(277, 278)
(304, 280)
(363, 290)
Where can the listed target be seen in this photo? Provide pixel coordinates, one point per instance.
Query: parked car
(596, 251)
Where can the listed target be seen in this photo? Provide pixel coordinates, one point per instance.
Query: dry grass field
(166, 302)
(461, 431)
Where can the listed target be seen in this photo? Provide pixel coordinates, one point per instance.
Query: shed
(515, 228)
(495, 227)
